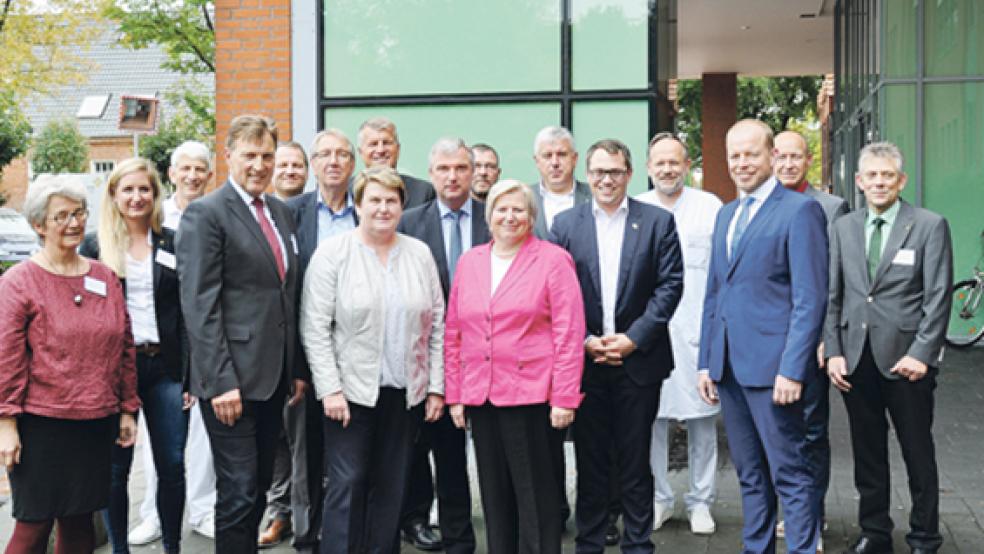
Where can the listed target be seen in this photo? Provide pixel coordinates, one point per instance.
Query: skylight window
(93, 107)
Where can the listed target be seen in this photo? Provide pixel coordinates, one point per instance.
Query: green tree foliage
(775, 100)
(15, 131)
(60, 148)
(182, 27)
(811, 131)
(171, 132)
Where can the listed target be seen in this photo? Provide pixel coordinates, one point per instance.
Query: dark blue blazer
(764, 308)
(424, 223)
(304, 209)
(650, 282)
(167, 302)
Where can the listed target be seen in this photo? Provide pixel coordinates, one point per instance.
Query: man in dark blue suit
(763, 311)
(629, 263)
(449, 225)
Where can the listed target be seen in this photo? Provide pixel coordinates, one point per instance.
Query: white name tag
(293, 240)
(166, 259)
(95, 286)
(906, 256)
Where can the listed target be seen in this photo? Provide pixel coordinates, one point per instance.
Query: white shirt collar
(545, 192)
(623, 208)
(761, 193)
(247, 197)
(465, 209)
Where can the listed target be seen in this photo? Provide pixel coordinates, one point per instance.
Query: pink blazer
(524, 344)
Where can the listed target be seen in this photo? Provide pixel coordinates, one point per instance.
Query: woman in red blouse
(68, 385)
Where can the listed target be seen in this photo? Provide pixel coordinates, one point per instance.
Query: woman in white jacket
(372, 324)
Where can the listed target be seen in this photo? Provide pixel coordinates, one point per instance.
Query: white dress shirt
(248, 199)
(140, 298)
(172, 214)
(760, 195)
(500, 267)
(554, 203)
(610, 233)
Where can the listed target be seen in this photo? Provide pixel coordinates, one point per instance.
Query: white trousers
(199, 472)
(702, 460)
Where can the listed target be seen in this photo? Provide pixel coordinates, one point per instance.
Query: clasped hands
(609, 349)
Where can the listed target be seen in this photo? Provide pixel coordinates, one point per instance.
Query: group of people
(331, 343)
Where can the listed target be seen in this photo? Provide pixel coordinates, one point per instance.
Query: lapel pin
(635, 225)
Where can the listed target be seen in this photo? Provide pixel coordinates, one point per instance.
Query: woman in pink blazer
(513, 356)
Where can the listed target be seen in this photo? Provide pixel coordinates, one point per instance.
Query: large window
(497, 72)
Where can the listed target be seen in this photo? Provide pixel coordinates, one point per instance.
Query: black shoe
(422, 537)
(865, 545)
(612, 535)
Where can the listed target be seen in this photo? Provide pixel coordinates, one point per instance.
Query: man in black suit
(380, 145)
(629, 263)
(450, 224)
(238, 266)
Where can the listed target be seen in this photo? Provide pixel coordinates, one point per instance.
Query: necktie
(454, 249)
(746, 208)
(270, 235)
(874, 247)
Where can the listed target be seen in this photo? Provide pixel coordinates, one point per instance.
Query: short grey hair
(378, 124)
(553, 133)
(882, 150)
(39, 193)
(332, 132)
(193, 150)
(507, 186)
(449, 146)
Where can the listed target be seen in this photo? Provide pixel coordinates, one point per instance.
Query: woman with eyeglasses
(132, 242)
(68, 384)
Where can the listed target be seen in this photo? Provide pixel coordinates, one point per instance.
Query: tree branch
(6, 10)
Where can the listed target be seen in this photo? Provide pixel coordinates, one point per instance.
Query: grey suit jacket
(241, 318)
(833, 206)
(424, 223)
(582, 195)
(904, 310)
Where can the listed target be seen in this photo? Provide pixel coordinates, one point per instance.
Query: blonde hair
(505, 187)
(381, 175)
(114, 239)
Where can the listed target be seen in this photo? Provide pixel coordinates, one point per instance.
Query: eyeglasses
(62, 218)
(340, 155)
(615, 174)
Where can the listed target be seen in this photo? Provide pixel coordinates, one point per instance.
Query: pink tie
(270, 235)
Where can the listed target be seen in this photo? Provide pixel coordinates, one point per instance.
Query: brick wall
(252, 66)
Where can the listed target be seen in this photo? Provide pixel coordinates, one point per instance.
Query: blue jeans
(167, 424)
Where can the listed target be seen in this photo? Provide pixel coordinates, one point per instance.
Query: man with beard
(487, 170)
(694, 212)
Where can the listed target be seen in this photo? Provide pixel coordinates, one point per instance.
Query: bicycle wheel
(967, 314)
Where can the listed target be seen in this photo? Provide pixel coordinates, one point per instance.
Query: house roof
(117, 70)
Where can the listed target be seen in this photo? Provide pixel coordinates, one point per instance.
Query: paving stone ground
(959, 431)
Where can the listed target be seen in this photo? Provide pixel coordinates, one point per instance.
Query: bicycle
(966, 325)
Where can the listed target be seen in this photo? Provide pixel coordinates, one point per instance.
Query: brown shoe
(276, 532)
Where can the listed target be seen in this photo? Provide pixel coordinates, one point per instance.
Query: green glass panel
(381, 47)
(627, 121)
(609, 44)
(899, 45)
(899, 127)
(954, 45)
(954, 165)
(509, 128)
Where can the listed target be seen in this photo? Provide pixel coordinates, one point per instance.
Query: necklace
(77, 298)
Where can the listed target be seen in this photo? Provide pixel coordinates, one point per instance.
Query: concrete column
(719, 112)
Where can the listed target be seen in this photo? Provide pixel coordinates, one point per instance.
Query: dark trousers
(767, 443)
(557, 438)
(367, 465)
(618, 414)
(910, 406)
(448, 444)
(167, 425)
(516, 478)
(296, 491)
(816, 410)
(243, 458)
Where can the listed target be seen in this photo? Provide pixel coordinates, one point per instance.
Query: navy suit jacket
(424, 223)
(650, 282)
(764, 308)
(304, 209)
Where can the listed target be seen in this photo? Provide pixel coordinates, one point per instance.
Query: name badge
(906, 256)
(95, 286)
(293, 240)
(166, 259)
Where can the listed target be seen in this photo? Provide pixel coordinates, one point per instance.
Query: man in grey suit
(380, 145)
(791, 162)
(449, 225)
(555, 155)
(237, 262)
(890, 272)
